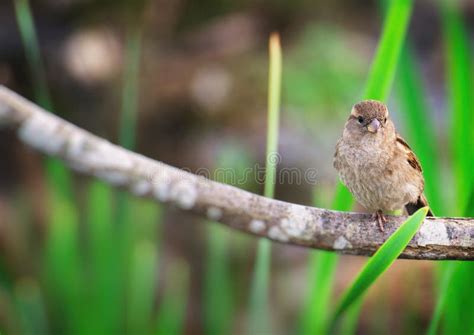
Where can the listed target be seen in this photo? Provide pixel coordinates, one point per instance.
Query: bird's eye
(360, 119)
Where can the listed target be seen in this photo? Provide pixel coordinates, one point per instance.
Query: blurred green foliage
(100, 269)
(319, 73)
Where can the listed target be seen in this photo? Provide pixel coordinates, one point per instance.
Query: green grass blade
(469, 209)
(171, 315)
(130, 87)
(218, 294)
(274, 92)
(60, 179)
(447, 275)
(105, 252)
(144, 269)
(384, 66)
(459, 306)
(30, 42)
(380, 261)
(461, 97)
(135, 243)
(259, 318)
(322, 265)
(63, 269)
(129, 111)
(322, 268)
(351, 318)
(258, 321)
(141, 252)
(343, 199)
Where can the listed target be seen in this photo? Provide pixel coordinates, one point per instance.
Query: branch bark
(343, 232)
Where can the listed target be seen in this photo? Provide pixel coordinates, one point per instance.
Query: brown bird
(377, 165)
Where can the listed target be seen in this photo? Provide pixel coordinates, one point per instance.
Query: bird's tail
(412, 207)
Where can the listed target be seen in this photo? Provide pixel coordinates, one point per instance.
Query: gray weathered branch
(348, 233)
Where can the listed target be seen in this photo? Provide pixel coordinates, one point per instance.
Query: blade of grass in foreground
(377, 87)
(258, 320)
(380, 262)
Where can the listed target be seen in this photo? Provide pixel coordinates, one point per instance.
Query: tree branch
(344, 232)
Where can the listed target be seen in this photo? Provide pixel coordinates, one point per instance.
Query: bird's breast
(367, 172)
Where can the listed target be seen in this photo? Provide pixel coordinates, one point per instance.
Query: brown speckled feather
(411, 158)
(412, 207)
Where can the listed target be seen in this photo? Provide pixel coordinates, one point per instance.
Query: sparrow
(377, 165)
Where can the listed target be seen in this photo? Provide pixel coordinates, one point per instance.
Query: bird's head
(368, 118)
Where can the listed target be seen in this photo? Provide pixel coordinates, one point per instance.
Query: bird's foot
(380, 218)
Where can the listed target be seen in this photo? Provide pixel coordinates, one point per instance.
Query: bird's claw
(381, 220)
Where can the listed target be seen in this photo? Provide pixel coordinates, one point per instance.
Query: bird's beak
(373, 126)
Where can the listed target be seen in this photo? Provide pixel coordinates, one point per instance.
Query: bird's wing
(415, 164)
(411, 157)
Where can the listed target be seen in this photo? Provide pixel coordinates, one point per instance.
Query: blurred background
(185, 82)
